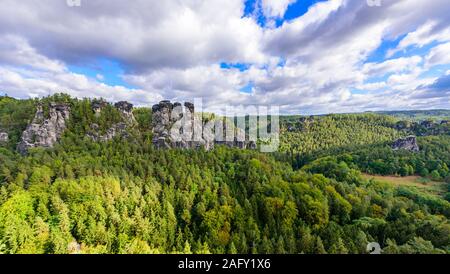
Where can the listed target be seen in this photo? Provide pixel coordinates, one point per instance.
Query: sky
(305, 56)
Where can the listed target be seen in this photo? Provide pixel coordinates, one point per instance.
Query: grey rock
(98, 105)
(4, 137)
(408, 143)
(119, 129)
(44, 132)
(126, 110)
(192, 133)
(427, 124)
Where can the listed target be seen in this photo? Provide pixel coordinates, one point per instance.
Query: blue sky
(294, 10)
(306, 56)
(104, 70)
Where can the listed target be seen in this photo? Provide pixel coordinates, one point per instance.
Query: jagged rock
(164, 116)
(45, 132)
(408, 143)
(193, 132)
(4, 137)
(126, 110)
(427, 124)
(98, 105)
(119, 129)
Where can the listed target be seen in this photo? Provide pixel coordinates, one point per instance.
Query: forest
(124, 196)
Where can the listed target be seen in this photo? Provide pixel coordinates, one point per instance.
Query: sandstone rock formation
(168, 117)
(178, 127)
(45, 132)
(119, 129)
(97, 106)
(126, 109)
(408, 143)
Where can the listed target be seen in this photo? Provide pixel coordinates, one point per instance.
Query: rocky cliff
(126, 110)
(45, 131)
(178, 127)
(173, 125)
(408, 143)
(119, 129)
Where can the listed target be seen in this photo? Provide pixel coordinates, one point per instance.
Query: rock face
(3, 137)
(178, 127)
(111, 133)
(165, 115)
(408, 143)
(45, 132)
(427, 124)
(119, 129)
(126, 109)
(97, 106)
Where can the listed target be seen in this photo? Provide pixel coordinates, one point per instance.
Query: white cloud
(424, 35)
(143, 34)
(172, 50)
(392, 66)
(439, 55)
(15, 51)
(275, 8)
(25, 73)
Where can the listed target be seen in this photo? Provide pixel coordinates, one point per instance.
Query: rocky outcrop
(126, 110)
(175, 126)
(4, 138)
(427, 124)
(45, 132)
(408, 143)
(98, 106)
(119, 129)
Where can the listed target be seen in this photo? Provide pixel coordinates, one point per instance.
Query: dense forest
(124, 196)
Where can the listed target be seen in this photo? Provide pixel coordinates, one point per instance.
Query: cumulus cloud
(392, 66)
(275, 8)
(143, 35)
(439, 55)
(173, 50)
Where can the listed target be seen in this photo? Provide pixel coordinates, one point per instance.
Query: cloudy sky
(306, 56)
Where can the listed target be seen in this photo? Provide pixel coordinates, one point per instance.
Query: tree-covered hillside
(306, 135)
(124, 196)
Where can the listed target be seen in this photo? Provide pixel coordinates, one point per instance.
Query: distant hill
(419, 115)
